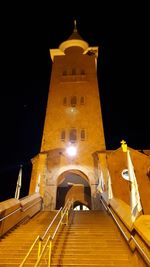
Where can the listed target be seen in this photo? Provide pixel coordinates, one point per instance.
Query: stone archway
(74, 185)
(80, 206)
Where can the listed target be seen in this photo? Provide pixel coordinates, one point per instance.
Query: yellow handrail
(43, 250)
(29, 251)
(64, 211)
(39, 238)
(50, 238)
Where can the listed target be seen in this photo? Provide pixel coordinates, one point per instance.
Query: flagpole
(134, 197)
(101, 181)
(37, 188)
(109, 185)
(19, 182)
(135, 202)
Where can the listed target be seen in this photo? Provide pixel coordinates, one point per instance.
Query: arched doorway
(80, 206)
(73, 185)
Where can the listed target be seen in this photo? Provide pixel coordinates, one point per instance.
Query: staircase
(15, 244)
(90, 239)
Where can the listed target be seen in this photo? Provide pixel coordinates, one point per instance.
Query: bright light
(83, 207)
(71, 151)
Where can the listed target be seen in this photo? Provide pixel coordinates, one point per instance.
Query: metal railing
(5, 217)
(147, 259)
(48, 243)
(119, 226)
(21, 209)
(128, 239)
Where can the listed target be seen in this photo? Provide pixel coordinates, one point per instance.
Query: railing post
(61, 216)
(67, 217)
(50, 253)
(72, 205)
(39, 249)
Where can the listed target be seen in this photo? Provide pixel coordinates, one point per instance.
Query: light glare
(71, 151)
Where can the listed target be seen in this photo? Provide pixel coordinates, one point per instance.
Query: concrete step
(77, 261)
(108, 242)
(70, 253)
(92, 240)
(89, 250)
(72, 265)
(93, 256)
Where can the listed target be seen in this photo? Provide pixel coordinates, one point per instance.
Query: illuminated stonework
(73, 118)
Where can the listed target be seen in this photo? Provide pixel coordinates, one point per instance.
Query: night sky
(121, 32)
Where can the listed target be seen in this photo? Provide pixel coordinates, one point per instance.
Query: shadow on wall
(75, 192)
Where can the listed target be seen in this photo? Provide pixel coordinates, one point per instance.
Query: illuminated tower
(73, 136)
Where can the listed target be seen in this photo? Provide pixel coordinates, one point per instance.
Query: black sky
(122, 34)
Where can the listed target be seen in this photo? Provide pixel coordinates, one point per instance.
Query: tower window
(65, 101)
(73, 135)
(82, 100)
(64, 73)
(73, 101)
(63, 135)
(82, 72)
(73, 71)
(82, 135)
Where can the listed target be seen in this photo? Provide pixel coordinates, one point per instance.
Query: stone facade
(73, 118)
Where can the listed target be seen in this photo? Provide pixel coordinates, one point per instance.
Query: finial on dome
(75, 25)
(124, 146)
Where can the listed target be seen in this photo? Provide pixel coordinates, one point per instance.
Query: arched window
(81, 207)
(82, 134)
(82, 72)
(65, 101)
(73, 71)
(73, 101)
(82, 100)
(73, 135)
(63, 135)
(64, 73)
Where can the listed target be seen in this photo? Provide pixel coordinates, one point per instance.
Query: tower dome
(74, 40)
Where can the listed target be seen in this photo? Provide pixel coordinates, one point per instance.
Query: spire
(75, 26)
(74, 40)
(75, 35)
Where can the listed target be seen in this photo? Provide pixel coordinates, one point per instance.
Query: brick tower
(73, 137)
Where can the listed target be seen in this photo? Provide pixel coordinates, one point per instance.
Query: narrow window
(63, 135)
(82, 72)
(82, 135)
(73, 101)
(73, 135)
(65, 101)
(64, 73)
(82, 100)
(73, 71)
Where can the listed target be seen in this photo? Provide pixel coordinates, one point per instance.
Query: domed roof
(74, 40)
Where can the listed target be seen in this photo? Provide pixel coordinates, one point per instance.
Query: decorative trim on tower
(73, 42)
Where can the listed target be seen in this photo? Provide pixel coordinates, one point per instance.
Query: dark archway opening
(73, 186)
(80, 206)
